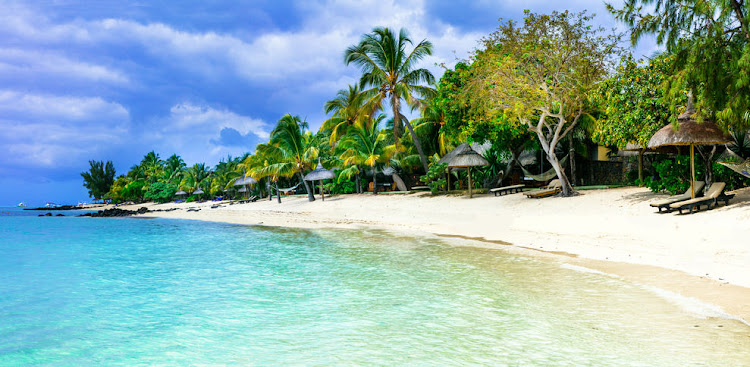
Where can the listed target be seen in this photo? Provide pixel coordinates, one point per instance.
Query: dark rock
(116, 212)
(59, 215)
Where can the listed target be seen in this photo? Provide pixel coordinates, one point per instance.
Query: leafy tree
(391, 74)
(134, 191)
(633, 103)
(160, 192)
(540, 75)
(710, 41)
(116, 190)
(99, 178)
(152, 167)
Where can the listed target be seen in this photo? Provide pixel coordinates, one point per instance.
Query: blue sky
(113, 80)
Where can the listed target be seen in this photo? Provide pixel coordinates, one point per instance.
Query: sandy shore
(704, 255)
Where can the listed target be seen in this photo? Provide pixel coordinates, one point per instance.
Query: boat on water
(21, 205)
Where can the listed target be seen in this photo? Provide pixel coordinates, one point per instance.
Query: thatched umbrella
(180, 193)
(244, 181)
(320, 174)
(198, 192)
(467, 158)
(635, 149)
(692, 133)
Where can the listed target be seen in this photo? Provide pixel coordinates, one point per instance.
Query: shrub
(160, 192)
(434, 178)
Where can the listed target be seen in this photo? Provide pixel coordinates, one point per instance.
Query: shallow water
(127, 291)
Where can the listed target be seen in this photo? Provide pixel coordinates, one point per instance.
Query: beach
(702, 256)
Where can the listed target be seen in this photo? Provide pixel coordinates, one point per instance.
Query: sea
(78, 291)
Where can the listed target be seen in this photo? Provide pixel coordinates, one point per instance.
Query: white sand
(706, 255)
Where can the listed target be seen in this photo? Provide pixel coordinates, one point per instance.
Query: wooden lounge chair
(552, 188)
(708, 200)
(500, 191)
(664, 204)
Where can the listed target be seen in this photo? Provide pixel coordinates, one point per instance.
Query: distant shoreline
(614, 231)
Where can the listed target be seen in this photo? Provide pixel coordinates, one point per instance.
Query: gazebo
(467, 157)
(319, 174)
(689, 132)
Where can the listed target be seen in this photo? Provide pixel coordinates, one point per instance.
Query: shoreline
(703, 256)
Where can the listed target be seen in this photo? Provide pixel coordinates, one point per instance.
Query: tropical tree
(541, 75)
(292, 150)
(390, 74)
(365, 145)
(710, 41)
(195, 177)
(99, 178)
(346, 108)
(174, 168)
(152, 167)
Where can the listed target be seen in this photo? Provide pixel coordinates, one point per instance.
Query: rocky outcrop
(117, 212)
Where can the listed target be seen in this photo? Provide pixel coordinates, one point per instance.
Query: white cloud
(35, 107)
(15, 61)
(190, 117)
(50, 131)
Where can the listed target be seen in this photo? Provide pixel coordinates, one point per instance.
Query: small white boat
(21, 205)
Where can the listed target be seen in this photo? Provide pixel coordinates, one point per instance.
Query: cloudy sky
(113, 80)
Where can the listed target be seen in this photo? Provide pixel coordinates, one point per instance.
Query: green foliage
(634, 103)
(133, 191)
(674, 175)
(117, 188)
(99, 178)
(710, 41)
(160, 192)
(435, 177)
(341, 187)
(391, 75)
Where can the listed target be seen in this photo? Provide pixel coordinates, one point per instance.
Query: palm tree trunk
(359, 184)
(374, 181)
(278, 193)
(310, 195)
(396, 104)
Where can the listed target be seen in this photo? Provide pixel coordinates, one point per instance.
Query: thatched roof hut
(465, 156)
(320, 173)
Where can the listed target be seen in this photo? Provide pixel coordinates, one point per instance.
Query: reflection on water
(95, 290)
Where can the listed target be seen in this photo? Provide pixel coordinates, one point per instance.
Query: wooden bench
(500, 191)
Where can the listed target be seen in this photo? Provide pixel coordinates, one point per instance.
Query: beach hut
(320, 174)
(467, 158)
(689, 133)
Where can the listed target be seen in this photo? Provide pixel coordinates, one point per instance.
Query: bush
(160, 192)
(133, 191)
(434, 178)
(674, 175)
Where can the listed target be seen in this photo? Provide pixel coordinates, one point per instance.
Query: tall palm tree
(295, 149)
(391, 74)
(260, 167)
(366, 145)
(153, 166)
(348, 106)
(174, 168)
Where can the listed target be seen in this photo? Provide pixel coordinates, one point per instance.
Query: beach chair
(512, 189)
(552, 188)
(664, 204)
(709, 200)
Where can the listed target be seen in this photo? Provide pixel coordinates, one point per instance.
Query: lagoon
(130, 291)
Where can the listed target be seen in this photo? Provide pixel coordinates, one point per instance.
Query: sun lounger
(500, 191)
(709, 200)
(664, 204)
(552, 188)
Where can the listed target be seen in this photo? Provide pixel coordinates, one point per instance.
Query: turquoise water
(128, 291)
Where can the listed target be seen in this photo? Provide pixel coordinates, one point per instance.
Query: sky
(113, 80)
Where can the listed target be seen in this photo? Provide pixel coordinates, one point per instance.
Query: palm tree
(347, 107)
(153, 166)
(391, 74)
(259, 166)
(366, 145)
(174, 168)
(195, 178)
(292, 149)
